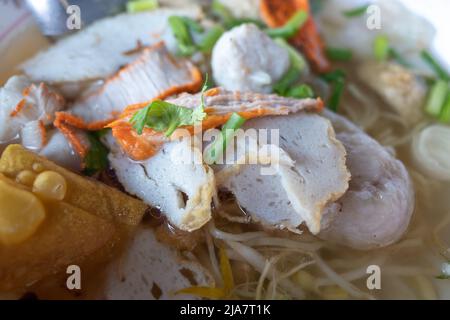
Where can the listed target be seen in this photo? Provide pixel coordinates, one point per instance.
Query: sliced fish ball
(174, 180)
(151, 270)
(298, 192)
(377, 208)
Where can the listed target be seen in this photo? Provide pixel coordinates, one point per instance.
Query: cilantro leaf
(164, 116)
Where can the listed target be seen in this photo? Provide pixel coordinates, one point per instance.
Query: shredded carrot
(276, 13)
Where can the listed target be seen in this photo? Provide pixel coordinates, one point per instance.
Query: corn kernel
(37, 167)
(21, 213)
(26, 177)
(50, 185)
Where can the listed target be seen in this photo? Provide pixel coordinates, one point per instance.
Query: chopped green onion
(290, 28)
(438, 69)
(302, 91)
(141, 5)
(336, 94)
(209, 40)
(238, 21)
(436, 98)
(193, 25)
(339, 54)
(334, 75)
(337, 79)
(381, 48)
(282, 85)
(227, 18)
(222, 12)
(397, 57)
(445, 112)
(297, 65)
(356, 12)
(295, 57)
(219, 145)
(181, 32)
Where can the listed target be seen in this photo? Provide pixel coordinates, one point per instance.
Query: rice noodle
(285, 243)
(213, 257)
(218, 234)
(408, 271)
(369, 112)
(267, 268)
(337, 279)
(257, 261)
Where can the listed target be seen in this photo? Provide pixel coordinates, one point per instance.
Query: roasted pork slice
(25, 110)
(151, 270)
(101, 49)
(297, 190)
(154, 74)
(175, 180)
(377, 208)
(220, 105)
(220, 102)
(246, 59)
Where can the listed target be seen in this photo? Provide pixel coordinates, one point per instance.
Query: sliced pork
(25, 111)
(154, 73)
(101, 49)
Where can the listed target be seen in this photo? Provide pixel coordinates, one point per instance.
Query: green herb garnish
(337, 79)
(339, 54)
(97, 157)
(356, 12)
(397, 57)
(437, 68)
(444, 116)
(219, 145)
(167, 117)
(381, 48)
(302, 91)
(210, 38)
(436, 98)
(291, 27)
(297, 65)
(141, 5)
(180, 29)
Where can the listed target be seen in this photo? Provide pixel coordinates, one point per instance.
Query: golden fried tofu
(51, 218)
(82, 192)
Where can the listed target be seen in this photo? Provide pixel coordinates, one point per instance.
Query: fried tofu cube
(84, 193)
